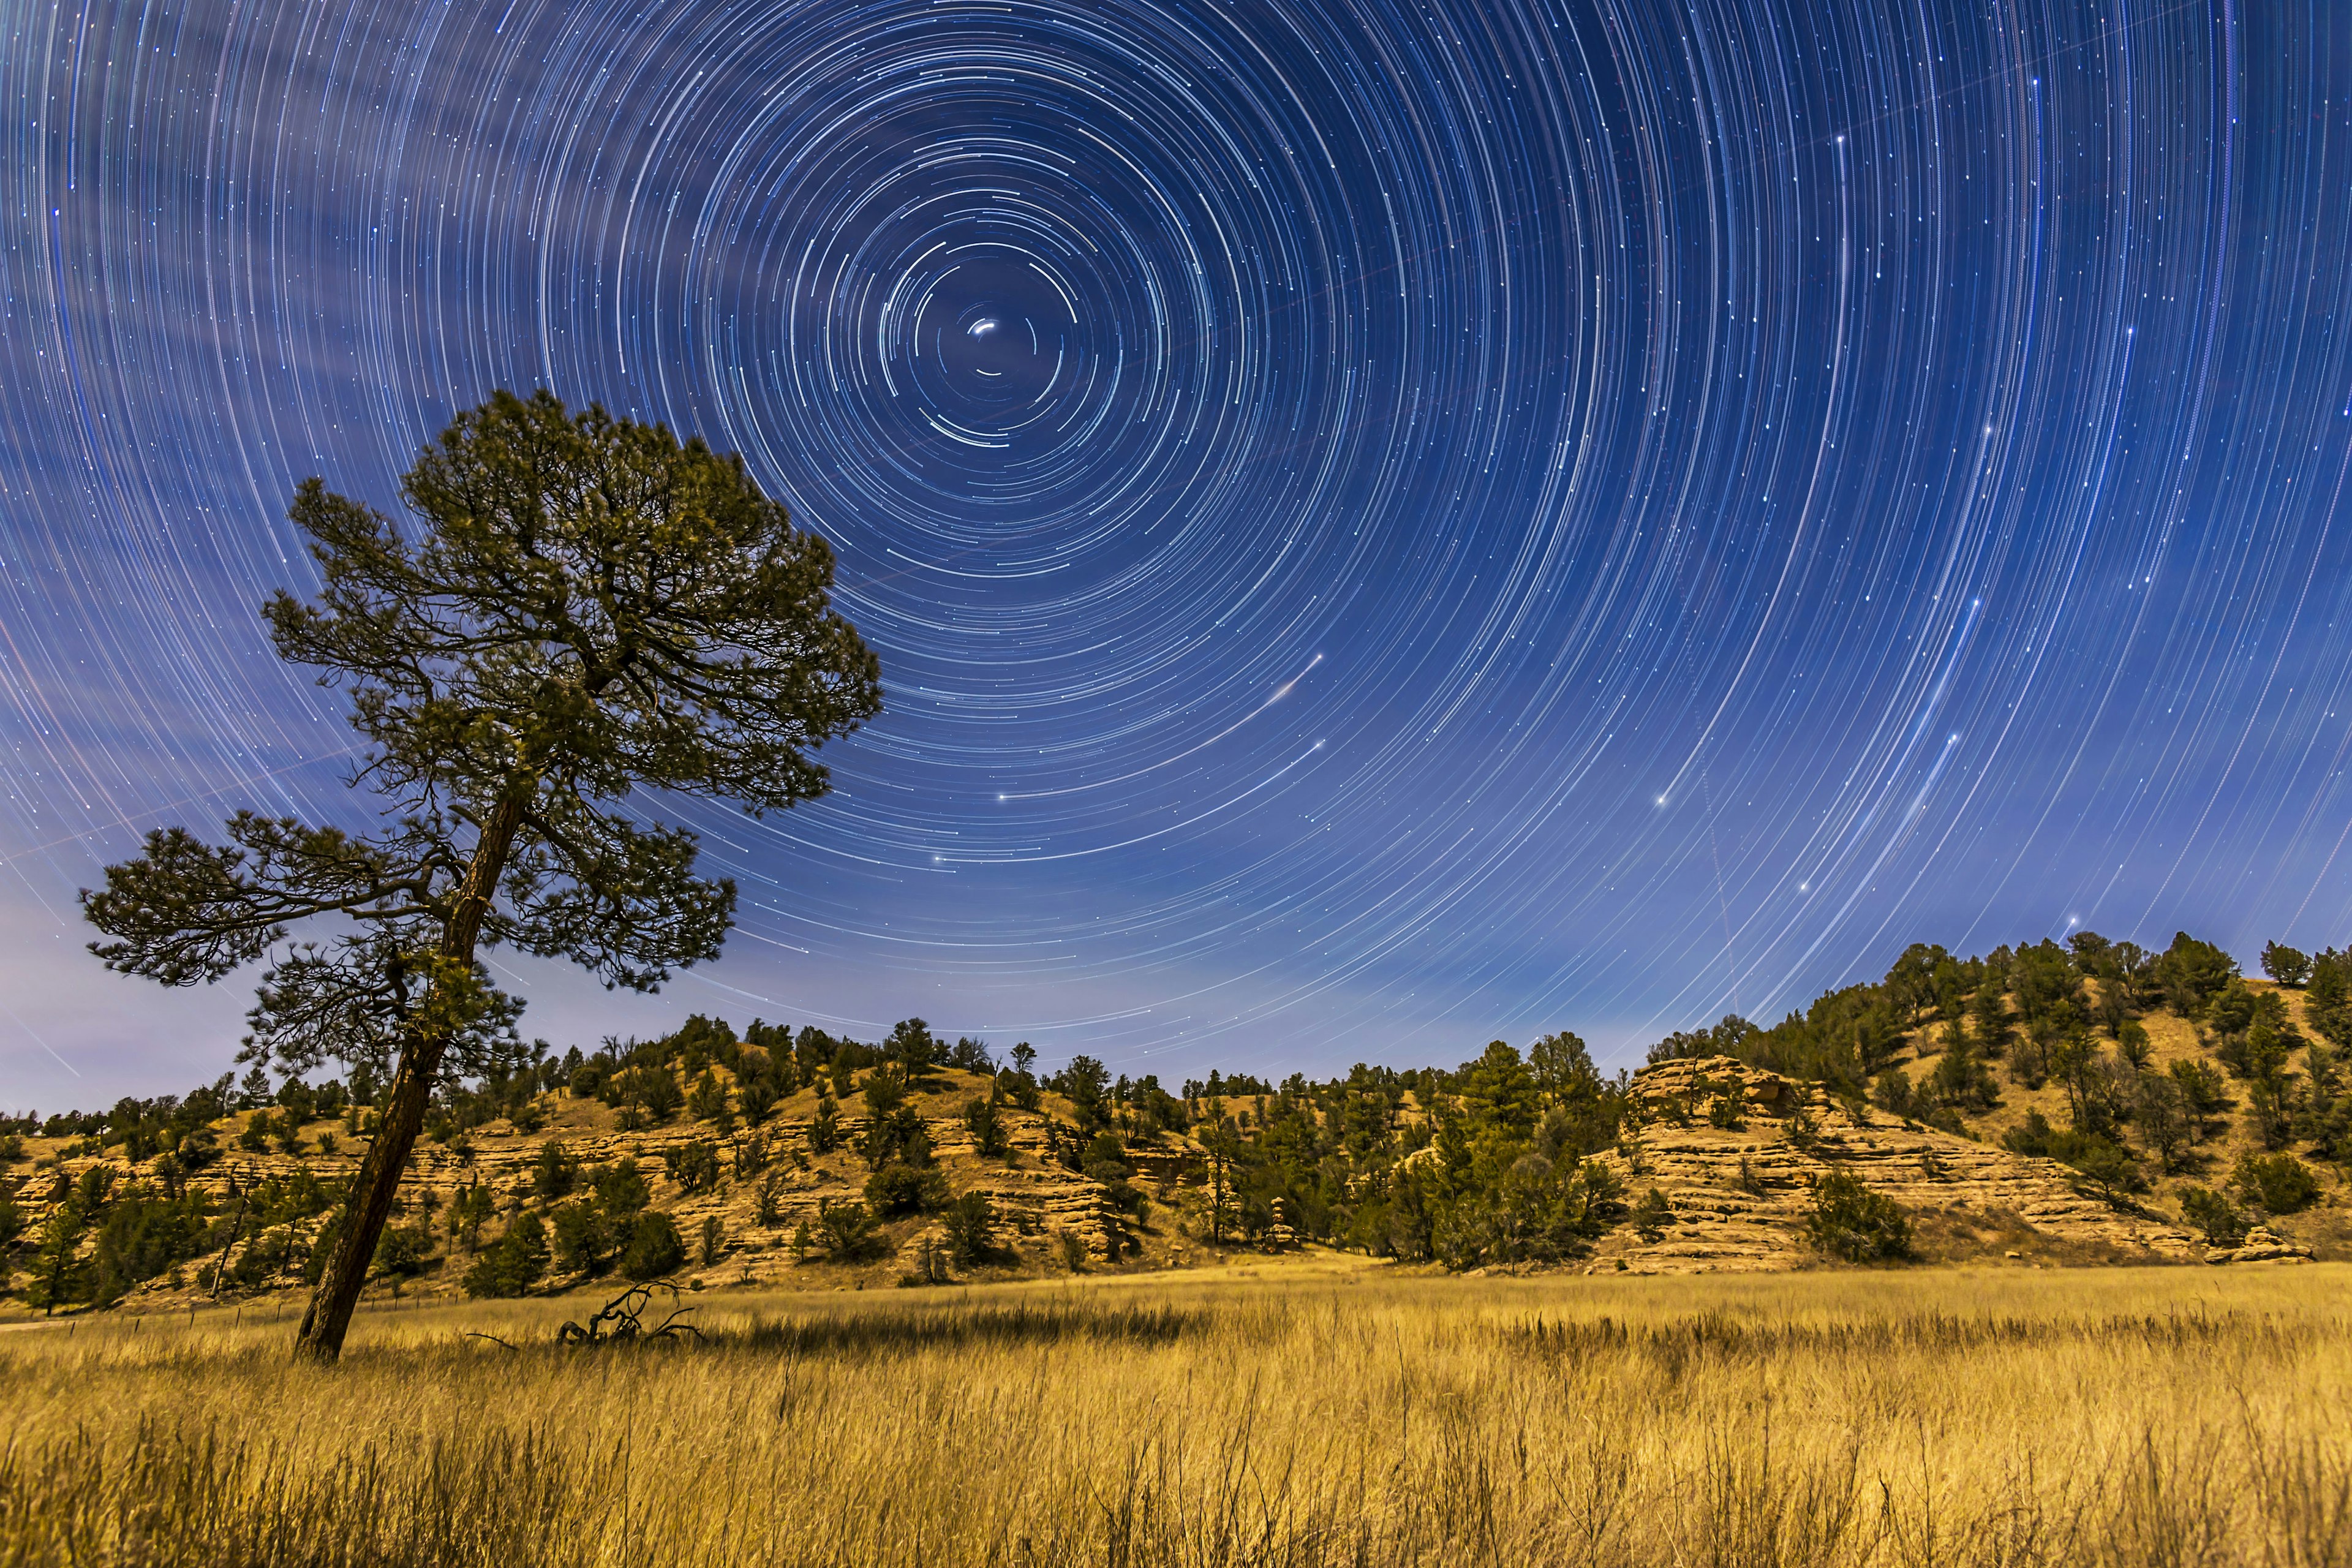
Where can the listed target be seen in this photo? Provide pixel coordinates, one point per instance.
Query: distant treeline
(1489, 1161)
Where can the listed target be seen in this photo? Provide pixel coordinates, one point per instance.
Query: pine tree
(1850, 1221)
(584, 607)
(58, 1270)
(514, 1263)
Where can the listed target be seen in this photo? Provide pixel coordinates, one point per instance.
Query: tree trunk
(368, 1202)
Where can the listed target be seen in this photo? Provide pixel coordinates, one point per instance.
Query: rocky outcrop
(2261, 1245)
(1735, 1152)
(1690, 1086)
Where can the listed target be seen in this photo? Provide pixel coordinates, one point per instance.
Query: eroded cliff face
(1735, 1152)
(772, 1180)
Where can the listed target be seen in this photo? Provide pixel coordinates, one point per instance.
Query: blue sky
(1385, 525)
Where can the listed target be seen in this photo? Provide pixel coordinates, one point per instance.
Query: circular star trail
(1385, 525)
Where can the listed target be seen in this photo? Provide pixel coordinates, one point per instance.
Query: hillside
(2222, 1142)
(1976, 1096)
(762, 1186)
(1740, 1195)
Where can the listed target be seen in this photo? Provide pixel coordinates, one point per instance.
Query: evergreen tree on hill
(2191, 972)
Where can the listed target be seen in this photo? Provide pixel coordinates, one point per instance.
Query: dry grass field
(1312, 1412)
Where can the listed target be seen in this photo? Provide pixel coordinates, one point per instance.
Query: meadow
(1307, 1412)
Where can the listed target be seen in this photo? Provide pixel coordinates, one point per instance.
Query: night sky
(1385, 525)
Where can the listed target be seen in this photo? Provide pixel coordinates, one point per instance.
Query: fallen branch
(622, 1319)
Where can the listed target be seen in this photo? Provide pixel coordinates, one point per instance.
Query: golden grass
(1303, 1414)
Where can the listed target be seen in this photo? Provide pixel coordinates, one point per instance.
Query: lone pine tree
(584, 614)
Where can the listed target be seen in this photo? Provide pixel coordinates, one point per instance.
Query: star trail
(1386, 525)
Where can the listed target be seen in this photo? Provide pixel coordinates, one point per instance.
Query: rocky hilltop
(1740, 1192)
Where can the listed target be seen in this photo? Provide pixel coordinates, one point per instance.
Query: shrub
(2202, 1086)
(2191, 972)
(2281, 1183)
(708, 1100)
(402, 1249)
(621, 1191)
(139, 1237)
(693, 1166)
(654, 1248)
(1892, 1092)
(1961, 1081)
(513, 1264)
(896, 1136)
(1652, 1216)
(714, 1240)
(898, 1188)
(971, 1226)
(987, 1129)
(556, 1174)
(583, 1239)
(1073, 1250)
(2106, 1164)
(846, 1233)
(1851, 1221)
(2214, 1215)
(2031, 1136)
(658, 1092)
